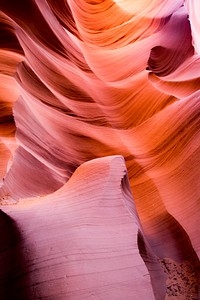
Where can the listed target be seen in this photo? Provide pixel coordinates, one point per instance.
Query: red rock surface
(99, 149)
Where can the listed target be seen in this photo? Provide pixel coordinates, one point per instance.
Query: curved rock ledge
(78, 243)
(100, 149)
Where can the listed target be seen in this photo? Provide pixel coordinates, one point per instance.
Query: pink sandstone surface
(100, 149)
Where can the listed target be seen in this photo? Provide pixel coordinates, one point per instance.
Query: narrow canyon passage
(99, 149)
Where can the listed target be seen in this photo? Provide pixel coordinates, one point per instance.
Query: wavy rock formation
(77, 243)
(84, 84)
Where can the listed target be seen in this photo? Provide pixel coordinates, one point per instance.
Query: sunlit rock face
(100, 149)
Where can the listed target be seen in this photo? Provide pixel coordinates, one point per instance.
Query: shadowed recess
(13, 259)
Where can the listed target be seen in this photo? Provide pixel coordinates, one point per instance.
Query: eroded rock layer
(84, 84)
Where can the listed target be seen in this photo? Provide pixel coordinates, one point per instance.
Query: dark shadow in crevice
(174, 266)
(166, 249)
(13, 261)
(157, 276)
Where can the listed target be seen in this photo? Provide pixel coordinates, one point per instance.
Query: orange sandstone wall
(100, 149)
